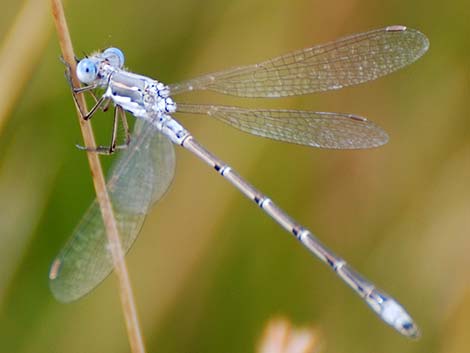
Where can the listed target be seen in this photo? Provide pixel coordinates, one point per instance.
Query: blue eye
(115, 57)
(87, 71)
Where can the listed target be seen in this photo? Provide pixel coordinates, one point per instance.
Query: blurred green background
(209, 269)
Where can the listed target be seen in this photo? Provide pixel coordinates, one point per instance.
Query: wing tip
(396, 28)
(419, 37)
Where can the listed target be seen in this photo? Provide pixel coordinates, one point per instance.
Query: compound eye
(87, 71)
(114, 56)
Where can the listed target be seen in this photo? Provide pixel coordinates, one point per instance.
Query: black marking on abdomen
(261, 200)
(298, 231)
(222, 169)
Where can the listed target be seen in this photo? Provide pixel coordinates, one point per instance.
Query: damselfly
(144, 169)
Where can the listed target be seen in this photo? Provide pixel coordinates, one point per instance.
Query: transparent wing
(139, 177)
(317, 129)
(345, 62)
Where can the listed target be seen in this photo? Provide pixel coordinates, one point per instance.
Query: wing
(139, 177)
(317, 129)
(348, 61)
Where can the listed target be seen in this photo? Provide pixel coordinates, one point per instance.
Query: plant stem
(125, 290)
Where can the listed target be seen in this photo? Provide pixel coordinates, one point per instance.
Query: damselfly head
(87, 70)
(90, 69)
(114, 56)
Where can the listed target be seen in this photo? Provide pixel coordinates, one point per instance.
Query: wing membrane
(348, 61)
(135, 182)
(317, 129)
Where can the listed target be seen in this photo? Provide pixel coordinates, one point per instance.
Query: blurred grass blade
(20, 50)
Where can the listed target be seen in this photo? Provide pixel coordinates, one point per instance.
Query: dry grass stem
(125, 290)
